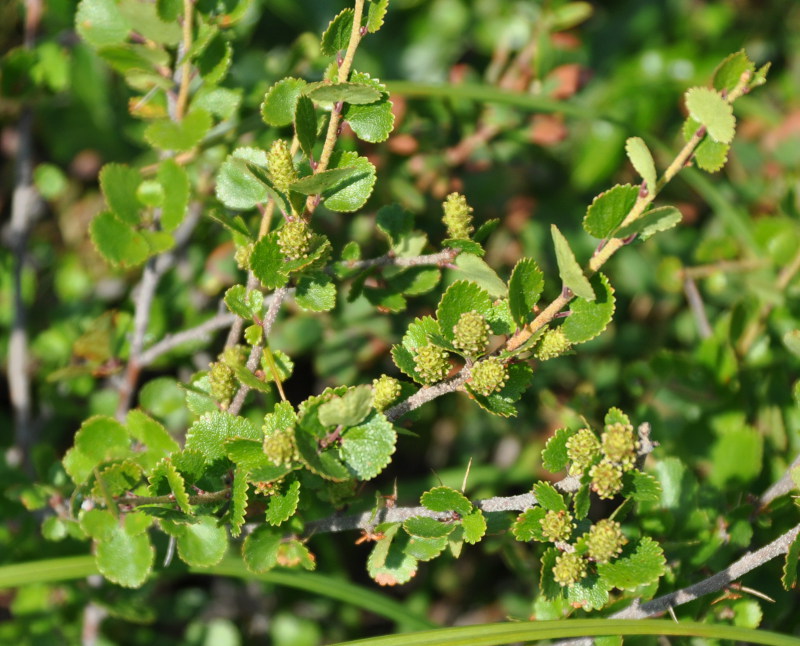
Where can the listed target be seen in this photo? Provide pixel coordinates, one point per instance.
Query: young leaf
(474, 525)
(119, 243)
(502, 403)
(461, 297)
(367, 449)
(589, 318)
(325, 464)
(327, 180)
(337, 36)
(446, 499)
(215, 59)
(280, 102)
(375, 15)
(267, 262)
(249, 456)
(125, 556)
(641, 487)
(243, 303)
(282, 507)
(119, 184)
(373, 122)
(554, 455)
(568, 268)
(524, 289)
(101, 439)
(548, 497)
(709, 108)
(590, 593)
(208, 433)
(640, 563)
(425, 549)
(260, 549)
(203, 543)
(238, 501)
(426, 527)
(609, 209)
(653, 221)
(166, 471)
(305, 125)
(315, 292)
(642, 161)
(179, 136)
(352, 93)
(100, 23)
(729, 71)
(711, 155)
(475, 269)
(528, 525)
(352, 196)
(349, 409)
(789, 578)
(116, 479)
(175, 181)
(236, 187)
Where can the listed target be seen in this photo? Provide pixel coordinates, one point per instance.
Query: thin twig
(197, 333)
(441, 258)
(698, 309)
(186, 64)
(782, 486)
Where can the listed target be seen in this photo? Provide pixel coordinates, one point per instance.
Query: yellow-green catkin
(457, 216)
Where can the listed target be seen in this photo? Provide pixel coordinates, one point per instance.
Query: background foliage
(717, 388)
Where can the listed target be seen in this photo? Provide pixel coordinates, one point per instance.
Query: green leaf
(394, 222)
(789, 578)
(461, 297)
(325, 464)
(568, 268)
(305, 125)
(373, 122)
(711, 155)
(351, 93)
(472, 268)
(353, 195)
(590, 593)
(175, 181)
(474, 525)
(282, 507)
(467, 246)
(219, 101)
(166, 134)
(641, 487)
(119, 184)
(729, 71)
(589, 318)
(554, 455)
(249, 456)
(169, 10)
(709, 108)
(280, 102)
(426, 527)
(347, 410)
(446, 499)
(608, 210)
(548, 497)
(144, 18)
(653, 221)
(260, 549)
(243, 303)
(367, 449)
(425, 549)
(528, 525)
(238, 501)
(547, 584)
(267, 262)
(581, 501)
(119, 243)
(375, 15)
(327, 180)
(641, 563)
(642, 161)
(215, 59)
(293, 552)
(736, 456)
(125, 556)
(209, 433)
(760, 76)
(337, 36)
(315, 292)
(117, 479)
(237, 188)
(500, 320)
(101, 23)
(389, 563)
(100, 439)
(792, 342)
(485, 230)
(524, 289)
(202, 544)
(502, 403)
(166, 471)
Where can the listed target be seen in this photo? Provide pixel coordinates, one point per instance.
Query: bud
(620, 444)
(457, 216)
(471, 333)
(488, 376)
(294, 239)
(280, 165)
(385, 390)
(280, 447)
(242, 256)
(581, 450)
(222, 381)
(606, 479)
(557, 525)
(553, 344)
(431, 364)
(570, 568)
(605, 540)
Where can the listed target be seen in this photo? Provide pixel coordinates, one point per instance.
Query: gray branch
(442, 258)
(782, 486)
(427, 394)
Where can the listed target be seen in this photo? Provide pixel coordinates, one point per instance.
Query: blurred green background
(601, 72)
